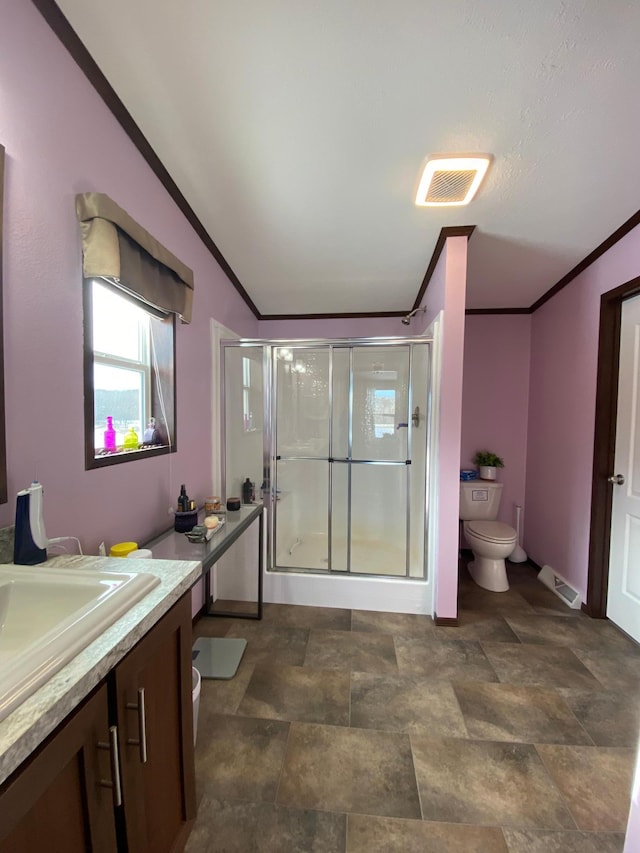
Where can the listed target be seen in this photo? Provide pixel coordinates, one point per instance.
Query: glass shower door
(377, 410)
(350, 458)
(302, 457)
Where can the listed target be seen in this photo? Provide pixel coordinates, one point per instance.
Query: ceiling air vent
(451, 180)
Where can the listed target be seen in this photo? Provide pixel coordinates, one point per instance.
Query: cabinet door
(57, 800)
(155, 727)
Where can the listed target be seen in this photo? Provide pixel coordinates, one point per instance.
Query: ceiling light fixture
(449, 181)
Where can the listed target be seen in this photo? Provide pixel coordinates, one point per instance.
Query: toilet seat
(492, 531)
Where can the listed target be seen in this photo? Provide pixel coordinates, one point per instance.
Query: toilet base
(489, 574)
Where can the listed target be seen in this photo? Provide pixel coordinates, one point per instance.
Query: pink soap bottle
(110, 435)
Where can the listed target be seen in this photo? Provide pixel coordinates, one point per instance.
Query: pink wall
(60, 139)
(495, 398)
(564, 352)
(446, 294)
(337, 327)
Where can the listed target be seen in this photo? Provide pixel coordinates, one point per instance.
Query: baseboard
(198, 616)
(446, 621)
(586, 609)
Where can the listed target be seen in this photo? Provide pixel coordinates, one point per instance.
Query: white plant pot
(488, 472)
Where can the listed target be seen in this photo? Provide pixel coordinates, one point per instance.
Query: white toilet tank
(479, 500)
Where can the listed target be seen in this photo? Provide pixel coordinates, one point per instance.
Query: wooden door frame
(605, 445)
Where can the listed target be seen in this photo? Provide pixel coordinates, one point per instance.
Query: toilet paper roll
(141, 554)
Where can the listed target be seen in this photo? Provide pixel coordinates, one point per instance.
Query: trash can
(195, 693)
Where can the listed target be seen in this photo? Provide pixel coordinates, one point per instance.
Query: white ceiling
(296, 129)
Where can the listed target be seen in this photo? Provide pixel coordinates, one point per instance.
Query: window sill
(120, 456)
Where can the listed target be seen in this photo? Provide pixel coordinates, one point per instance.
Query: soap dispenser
(30, 539)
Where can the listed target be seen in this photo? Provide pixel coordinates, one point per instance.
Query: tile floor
(514, 732)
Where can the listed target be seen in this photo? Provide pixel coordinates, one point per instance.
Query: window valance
(115, 247)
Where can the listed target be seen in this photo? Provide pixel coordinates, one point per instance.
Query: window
(129, 377)
(384, 412)
(134, 289)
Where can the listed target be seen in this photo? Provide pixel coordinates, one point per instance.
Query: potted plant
(488, 463)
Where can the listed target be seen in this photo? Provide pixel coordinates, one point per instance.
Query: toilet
(491, 541)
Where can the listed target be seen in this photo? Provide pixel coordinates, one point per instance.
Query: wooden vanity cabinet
(61, 799)
(152, 689)
(56, 801)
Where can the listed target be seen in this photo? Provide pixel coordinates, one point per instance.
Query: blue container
(468, 474)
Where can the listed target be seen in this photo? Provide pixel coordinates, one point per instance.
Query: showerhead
(407, 320)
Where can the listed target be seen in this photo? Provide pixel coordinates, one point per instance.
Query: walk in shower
(334, 434)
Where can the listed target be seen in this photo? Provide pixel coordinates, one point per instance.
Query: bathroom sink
(49, 615)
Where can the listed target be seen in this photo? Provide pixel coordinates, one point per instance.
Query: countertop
(28, 725)
(176, 546)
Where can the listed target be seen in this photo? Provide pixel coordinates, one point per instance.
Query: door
(370, 451)
(302, 448)
(62, 801)
(153, 695)
(623, 602)
(350, 458)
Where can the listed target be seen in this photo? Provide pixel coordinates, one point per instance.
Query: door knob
(616, 479)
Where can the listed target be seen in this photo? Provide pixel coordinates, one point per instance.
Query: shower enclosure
(336, 434)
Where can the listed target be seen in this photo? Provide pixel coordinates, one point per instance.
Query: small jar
(211, 505)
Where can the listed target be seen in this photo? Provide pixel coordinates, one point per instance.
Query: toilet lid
(492, 531)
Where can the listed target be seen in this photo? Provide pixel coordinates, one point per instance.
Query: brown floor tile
(551, 666)
(477, 625)
(349, 770)
(210, 627)
(296, 616)
(407, 624)
(545, 602)
(611, 717)
(479, 782)
(229, 605)
(353, 651)
(518, 713)
(241, 758)
(521, 574)
(473, 597)
(267, 784)
(268, 644)
(405, 704)
(577, 633)
(595, 783)
(390, 835)
(222, 696)
(613, 671)
(543, 841)
(231, 827)
(443, 660)
(297, 693)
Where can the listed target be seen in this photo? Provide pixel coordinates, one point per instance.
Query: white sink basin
(49, 615)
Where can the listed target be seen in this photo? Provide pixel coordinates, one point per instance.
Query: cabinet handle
(141, 740)
(114, 760)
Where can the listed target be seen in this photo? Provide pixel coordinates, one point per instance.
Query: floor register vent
(559, 585)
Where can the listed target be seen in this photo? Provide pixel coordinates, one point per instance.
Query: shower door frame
(270, 391)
